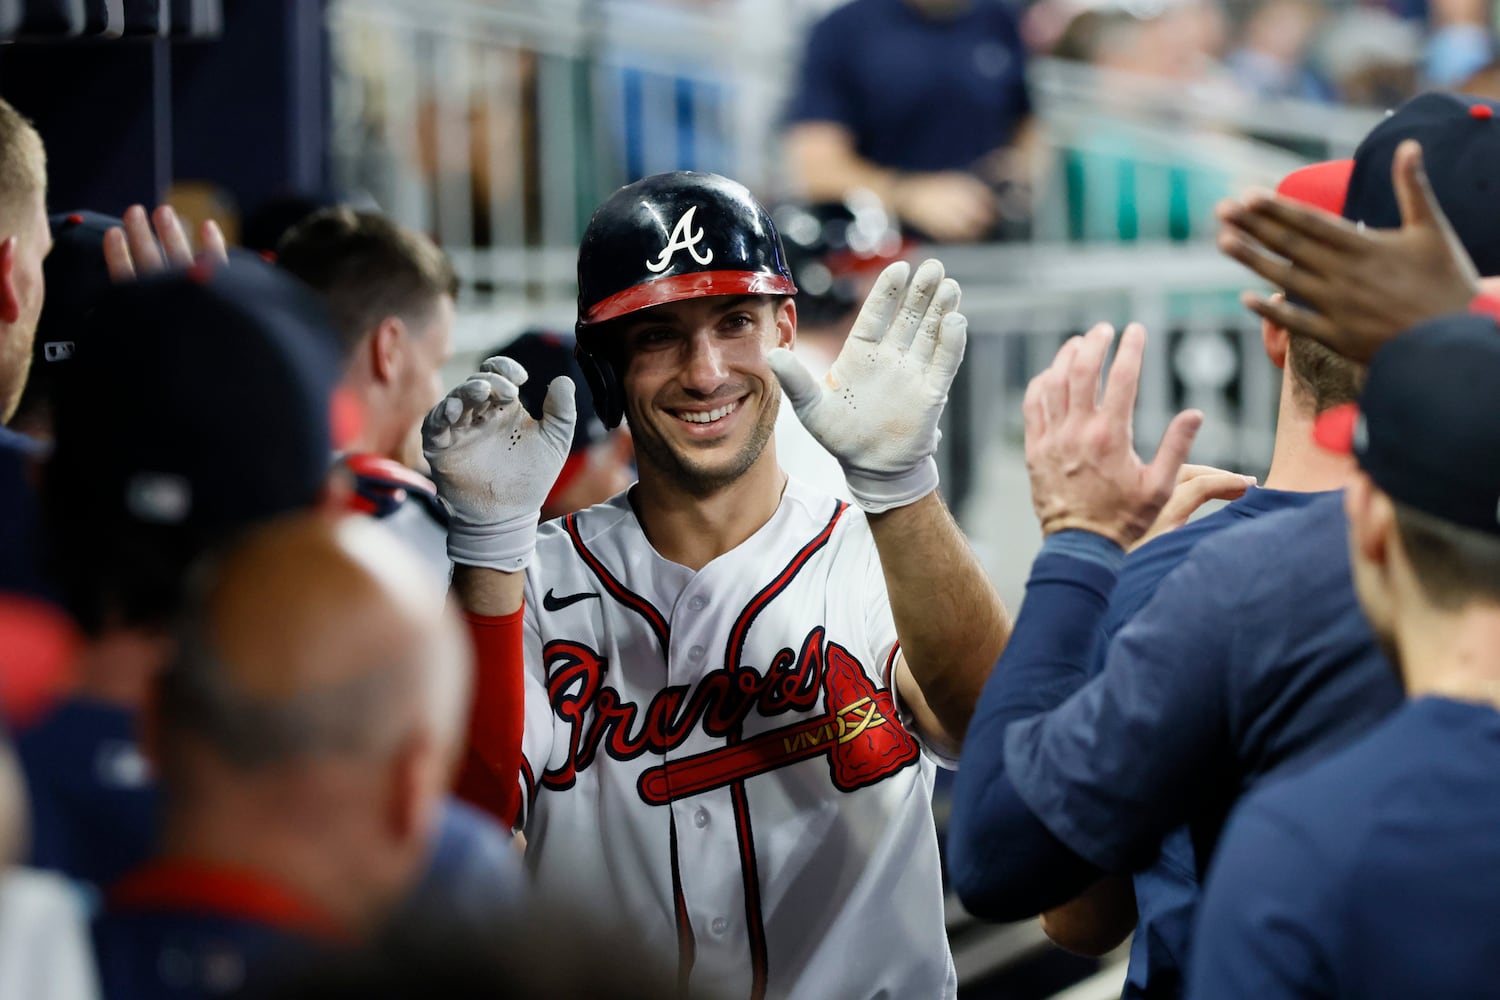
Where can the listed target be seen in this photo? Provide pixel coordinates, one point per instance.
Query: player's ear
(1276, 340)
(1372, 519)
(411, 799)
(786, 323)
(386, 343)
(10, 299)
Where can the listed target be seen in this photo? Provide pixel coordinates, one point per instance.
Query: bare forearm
(1097, 921)
(825, 166)
(951, 622)
(488, 592)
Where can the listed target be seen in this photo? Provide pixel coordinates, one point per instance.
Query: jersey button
(720, 925)
(700, 818)
(696, 653)
(698, 603)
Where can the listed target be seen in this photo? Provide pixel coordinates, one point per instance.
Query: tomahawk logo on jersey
(736, 727)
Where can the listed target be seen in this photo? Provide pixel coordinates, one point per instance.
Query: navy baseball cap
(1426, 428)
(208, 406)
(76, 275)
(1460, 137)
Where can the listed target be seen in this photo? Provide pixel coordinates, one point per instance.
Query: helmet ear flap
(609, 401)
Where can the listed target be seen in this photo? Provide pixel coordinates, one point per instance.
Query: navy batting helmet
(665, 238)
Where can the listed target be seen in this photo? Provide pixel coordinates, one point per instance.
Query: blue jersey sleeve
(1264, 915)
(1004, 864)
(1118, 765)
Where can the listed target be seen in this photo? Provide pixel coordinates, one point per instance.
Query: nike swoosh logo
(552, 603)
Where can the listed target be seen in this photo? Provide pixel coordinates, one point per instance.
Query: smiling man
(718, 687)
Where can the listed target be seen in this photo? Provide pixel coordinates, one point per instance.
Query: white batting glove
(493, 464)
(877, 409)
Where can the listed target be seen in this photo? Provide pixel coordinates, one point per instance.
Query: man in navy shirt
(1252, 657)
(923, 102)
(1313, 380)
(305, 731)
(1371, 875)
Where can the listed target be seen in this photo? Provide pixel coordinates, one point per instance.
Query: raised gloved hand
(877, 409)
(493, 464)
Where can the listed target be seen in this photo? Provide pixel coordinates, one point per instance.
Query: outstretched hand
(877, 409)
(494, 465)
(1196, 486)
(1359, 287)
(135, 250)
(1079, 448)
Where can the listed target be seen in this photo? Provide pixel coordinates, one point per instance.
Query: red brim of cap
(1334, 428)
(1322, 185)
(687, 286)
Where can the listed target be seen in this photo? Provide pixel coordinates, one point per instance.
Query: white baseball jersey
(714, 758)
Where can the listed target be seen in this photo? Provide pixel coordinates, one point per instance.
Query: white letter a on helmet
(683, 238)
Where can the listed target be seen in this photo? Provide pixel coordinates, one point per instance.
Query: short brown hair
(1322, 377)
(1453, 564)
(23, 161)
(367, 268)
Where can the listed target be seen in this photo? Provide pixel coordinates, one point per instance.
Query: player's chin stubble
(696, 478)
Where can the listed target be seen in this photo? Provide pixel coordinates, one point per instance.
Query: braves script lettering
(858, 731)
(682, 238)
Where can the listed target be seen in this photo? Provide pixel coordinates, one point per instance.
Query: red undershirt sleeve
(489, 776)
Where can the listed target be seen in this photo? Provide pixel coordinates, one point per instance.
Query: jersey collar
(215, 890)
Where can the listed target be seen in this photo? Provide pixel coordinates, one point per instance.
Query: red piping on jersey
(741, 630)
(529, 776)
(635, 602)
(754, 919)
(216, 890)
(890, 665)
(749, 866)
(687, 948)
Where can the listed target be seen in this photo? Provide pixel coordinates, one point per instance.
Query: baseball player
(734, 687)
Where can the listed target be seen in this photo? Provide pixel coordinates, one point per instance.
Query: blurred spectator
(1271, 59)
(834, 251)
(304, 732)
(390, 294)
(25, 239)
(923, 102)
(1461, 41)
(1128, 181)
(234, 429)
(76, 275)
(600, 462)
(1371, 57)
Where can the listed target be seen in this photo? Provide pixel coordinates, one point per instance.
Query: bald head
(316, 638)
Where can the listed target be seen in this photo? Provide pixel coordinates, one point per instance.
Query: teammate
(25, 240)
(726, 675)
(1313, 381)
(1371, 875)
(140, 485)
(304, 733)
(389, 292)
(1250, 660)
(1358, 286)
